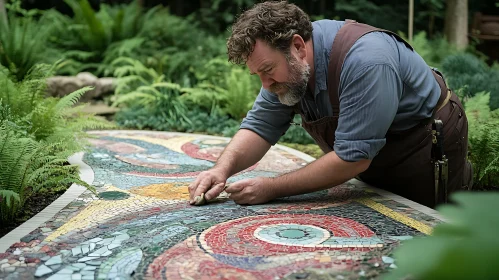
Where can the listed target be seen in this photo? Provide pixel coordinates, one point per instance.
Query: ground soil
(33, 206)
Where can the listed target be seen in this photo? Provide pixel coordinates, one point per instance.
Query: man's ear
(298, 46)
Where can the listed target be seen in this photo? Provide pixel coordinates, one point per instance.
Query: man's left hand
(251, 191)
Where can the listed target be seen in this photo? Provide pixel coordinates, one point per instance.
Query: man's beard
(291, 92)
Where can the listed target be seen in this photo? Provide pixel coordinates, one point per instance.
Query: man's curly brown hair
(274, 22)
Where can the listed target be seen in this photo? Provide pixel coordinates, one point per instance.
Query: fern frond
(173, 86)
(134, 96)
(123, 85)
(8, 195)
(71, 99)
(133, 67)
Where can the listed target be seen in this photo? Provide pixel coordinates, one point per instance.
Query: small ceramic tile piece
(42, 270)
(54, 260)
(140, 224)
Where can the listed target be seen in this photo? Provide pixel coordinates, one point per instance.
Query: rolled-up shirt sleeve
(368, 104)
(268, 117)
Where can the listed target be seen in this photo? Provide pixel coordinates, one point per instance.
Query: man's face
(281, 74)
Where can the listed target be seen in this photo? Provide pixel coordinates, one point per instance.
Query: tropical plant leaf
(459, 249)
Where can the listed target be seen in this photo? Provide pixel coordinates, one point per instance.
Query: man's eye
(268, 70)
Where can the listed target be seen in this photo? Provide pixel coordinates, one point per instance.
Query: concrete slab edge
(86, 174)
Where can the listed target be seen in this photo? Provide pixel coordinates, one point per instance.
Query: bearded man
(367, 98)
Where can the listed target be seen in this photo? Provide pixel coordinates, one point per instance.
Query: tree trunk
(3, 12)
(456, 23)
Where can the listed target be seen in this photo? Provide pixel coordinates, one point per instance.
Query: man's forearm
(323, 173)
(245, 149)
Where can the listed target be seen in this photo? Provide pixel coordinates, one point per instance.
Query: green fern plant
(483, 140)
(240, 93)
(27, 166)
(22, 42)
(37, 135)
(140, 86)
(230, 87)
(48, 118)
(84, 39)
(97, 29)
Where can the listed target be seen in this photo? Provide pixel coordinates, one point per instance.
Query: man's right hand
(245, 149)
(210, 182)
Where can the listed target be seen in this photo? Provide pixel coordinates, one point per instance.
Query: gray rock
(59, 86)
(10, 269)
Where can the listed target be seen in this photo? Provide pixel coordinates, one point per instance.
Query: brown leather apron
(404, 165)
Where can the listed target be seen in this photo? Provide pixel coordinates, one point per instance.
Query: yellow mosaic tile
(100, 210)
(167, 191)
(396, 216)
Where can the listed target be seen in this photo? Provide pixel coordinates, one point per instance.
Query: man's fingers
(235, 187)
(237, 197)
(203, 186)
(193, 187)
(215, 191)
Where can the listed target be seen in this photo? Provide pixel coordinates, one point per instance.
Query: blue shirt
(383, 86)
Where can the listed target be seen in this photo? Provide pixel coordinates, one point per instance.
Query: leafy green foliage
(218, 14)
(213, 123)
(92, 40)
(85, 38)
(22, 42)
(224, 85)
(28, 166)
(370, 12)
(37, 135)
(432, 51)
(483, 140)
(297, 134)
(144, 87)
(463, 248)
(471, 75)
(94, 31)
(50, 119)
(185, 48)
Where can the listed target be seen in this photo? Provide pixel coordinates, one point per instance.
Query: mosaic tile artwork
(141, 226)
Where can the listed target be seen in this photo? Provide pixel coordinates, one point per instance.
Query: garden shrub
(470, 75)
(200, 121)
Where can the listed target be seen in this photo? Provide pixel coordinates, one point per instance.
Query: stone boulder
(59, 86)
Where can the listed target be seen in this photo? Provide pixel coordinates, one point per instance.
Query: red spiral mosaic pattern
(193, 151)
(237, 237)
(200, 265)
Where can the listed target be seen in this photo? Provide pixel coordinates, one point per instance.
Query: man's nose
(267, 82)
